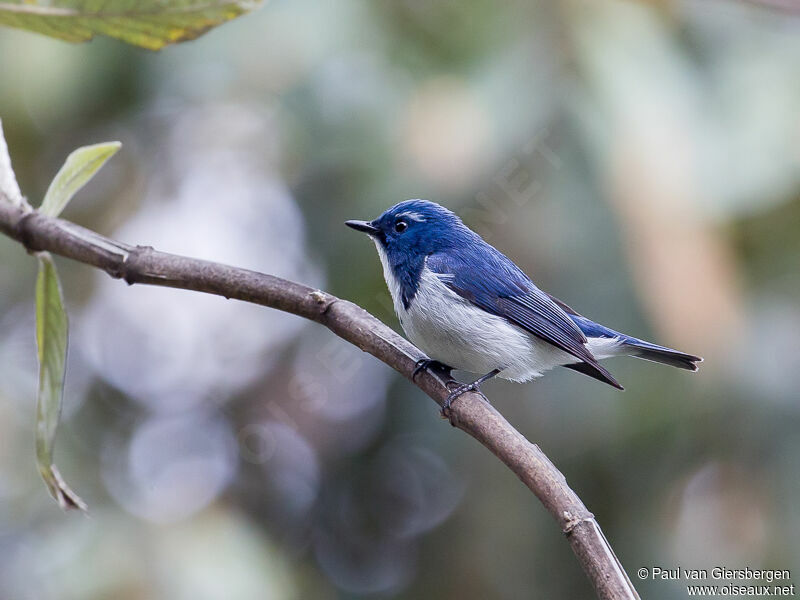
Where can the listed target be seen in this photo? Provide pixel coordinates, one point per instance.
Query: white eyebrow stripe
(414, 216)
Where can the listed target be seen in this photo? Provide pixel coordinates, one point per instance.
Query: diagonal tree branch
(471, 413)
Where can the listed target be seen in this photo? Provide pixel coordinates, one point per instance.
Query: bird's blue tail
(661, 354)
(639, 348)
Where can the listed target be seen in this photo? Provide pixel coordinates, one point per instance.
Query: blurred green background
(641, 161)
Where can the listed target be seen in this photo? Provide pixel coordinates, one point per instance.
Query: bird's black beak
(364, 226)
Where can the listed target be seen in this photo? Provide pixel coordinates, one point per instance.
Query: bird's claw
(475, 386)
(422, 365)
(462, 389)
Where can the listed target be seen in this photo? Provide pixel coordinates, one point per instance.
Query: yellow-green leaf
(51, 341)
(151, 24)
(76, 172)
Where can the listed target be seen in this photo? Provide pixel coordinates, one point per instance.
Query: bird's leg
(425, 364)
(467, 387)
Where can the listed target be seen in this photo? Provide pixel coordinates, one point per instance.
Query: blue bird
(469, 307)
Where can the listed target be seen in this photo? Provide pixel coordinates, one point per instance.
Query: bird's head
(412, 227)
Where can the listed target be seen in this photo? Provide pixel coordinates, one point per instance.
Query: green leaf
(151, 24)
(76, 172)
(51, 341)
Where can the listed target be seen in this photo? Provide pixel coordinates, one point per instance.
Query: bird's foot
(428, 364)
(475, 386)
(460, 390)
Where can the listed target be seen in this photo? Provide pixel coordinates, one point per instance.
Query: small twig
(471, 413)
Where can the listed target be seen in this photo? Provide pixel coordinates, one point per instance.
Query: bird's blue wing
(494, 283)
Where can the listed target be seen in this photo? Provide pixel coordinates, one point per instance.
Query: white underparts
(603, 347)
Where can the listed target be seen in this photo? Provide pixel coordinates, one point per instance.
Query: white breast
(452, 330)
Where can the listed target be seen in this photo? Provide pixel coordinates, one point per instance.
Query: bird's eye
(400, 226)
